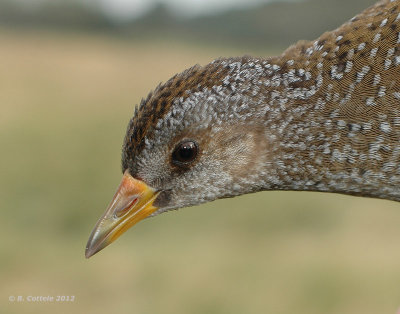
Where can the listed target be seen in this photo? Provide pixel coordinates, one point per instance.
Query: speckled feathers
(323, 116)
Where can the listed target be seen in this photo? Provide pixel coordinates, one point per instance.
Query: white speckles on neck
(383, 23)
(388, 63)
(385, 127)
(377, 79)
(349, 66)
(335, 74)
(377, 38)
(362, 73)
(361, 46)
(339, 38)
(373, 52)
(370, 101)
(382, 91)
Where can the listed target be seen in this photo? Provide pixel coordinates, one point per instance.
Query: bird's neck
(331, 109)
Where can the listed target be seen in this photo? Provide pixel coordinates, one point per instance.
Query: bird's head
(195, 139)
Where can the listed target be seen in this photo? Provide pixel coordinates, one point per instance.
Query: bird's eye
(184, 153)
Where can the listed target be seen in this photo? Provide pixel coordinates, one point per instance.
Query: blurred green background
(69, 79)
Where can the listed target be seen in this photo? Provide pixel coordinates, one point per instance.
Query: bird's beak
(132, 202)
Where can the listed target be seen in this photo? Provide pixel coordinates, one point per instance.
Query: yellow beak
(132, 202)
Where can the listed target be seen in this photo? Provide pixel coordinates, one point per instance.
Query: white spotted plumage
(323, 116)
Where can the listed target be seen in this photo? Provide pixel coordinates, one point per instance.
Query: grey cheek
(163, 199)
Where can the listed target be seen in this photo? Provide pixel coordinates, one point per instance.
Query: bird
(322, 116)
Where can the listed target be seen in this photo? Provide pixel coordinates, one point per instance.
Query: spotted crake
(323, 116)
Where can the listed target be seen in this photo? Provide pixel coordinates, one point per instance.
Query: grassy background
(65, 102)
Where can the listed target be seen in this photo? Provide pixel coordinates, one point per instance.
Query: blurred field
(65, 102)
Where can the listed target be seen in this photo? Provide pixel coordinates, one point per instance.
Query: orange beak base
(132, 202)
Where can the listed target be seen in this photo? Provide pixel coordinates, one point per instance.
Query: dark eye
(184, 153)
